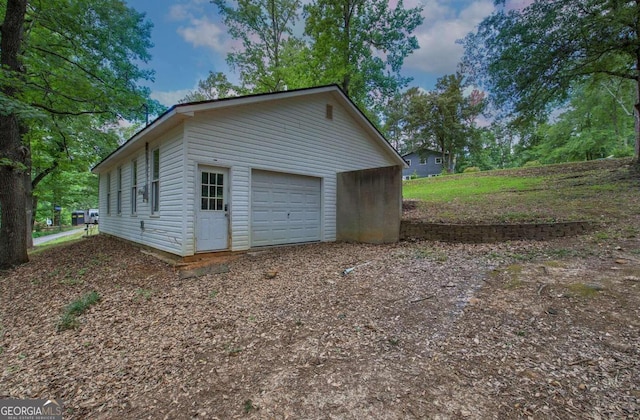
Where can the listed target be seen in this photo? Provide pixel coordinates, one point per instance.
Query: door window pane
(212, 191)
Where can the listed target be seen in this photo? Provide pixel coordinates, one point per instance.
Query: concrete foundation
(369, 205)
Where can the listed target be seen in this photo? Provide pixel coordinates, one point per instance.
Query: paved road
(43, 239)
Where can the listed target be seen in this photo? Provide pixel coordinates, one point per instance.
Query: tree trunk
(636, 155)
(32, 201)
(15, 157)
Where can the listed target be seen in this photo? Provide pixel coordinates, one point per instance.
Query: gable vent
(329, 112)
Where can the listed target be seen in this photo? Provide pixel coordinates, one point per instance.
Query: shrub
(532, 163)
(471, 169)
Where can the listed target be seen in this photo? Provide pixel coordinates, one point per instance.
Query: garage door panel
(285, 208)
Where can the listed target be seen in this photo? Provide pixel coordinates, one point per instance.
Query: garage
(285, 208)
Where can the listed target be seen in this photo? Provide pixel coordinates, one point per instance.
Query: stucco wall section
(369, 205)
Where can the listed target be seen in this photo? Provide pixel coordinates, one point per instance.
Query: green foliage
(361, 45)
(248, 406)
(532, 164)
(215, 86)
(144, 293)
(79, 74)
(19, 166)
(532, 60)
(471, 169)
(585, 290)
(265, 28)
(76, 308)
(597, 124)
(445, 118)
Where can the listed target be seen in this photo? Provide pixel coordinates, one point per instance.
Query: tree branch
(76, 113)
(72, 63)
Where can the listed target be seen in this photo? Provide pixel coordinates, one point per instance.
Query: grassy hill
(601, 191)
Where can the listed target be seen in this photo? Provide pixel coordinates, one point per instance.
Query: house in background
(251, 171)
(424, 164)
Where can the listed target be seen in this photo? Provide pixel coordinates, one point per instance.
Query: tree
(595, 124)
(444, 119)
(394, 120)
(531, 59)
(265, 29)
(361, 45)
(215, 86)
(65, 64)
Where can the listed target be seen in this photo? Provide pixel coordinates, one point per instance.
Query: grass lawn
(51, 231)
(466, 187)
(594, 191)
(55, 242)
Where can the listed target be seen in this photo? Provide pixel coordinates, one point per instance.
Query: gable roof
(180, 112)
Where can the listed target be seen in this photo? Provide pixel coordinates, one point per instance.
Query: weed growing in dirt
(69, 318)
(601, 236)
(585, 290)
(144, 293)
(99, 260)
(512, 273)
(248, 406)
(432, 255)
(233, 351)
(213, 294)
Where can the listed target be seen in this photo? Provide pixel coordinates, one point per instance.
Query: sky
(190, 41)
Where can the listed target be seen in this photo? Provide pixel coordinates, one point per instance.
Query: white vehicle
(91, 216)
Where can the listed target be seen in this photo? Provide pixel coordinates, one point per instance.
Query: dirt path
(415, 330)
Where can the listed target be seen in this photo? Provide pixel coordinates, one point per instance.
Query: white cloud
(204, 33)
(179, 12)
(437, 36)
(169, 98)
(517, 4)
(200, 25)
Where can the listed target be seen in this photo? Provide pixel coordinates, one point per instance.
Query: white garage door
(285, 208)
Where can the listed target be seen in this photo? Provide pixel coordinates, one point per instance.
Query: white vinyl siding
(289, 136)
(164, 230)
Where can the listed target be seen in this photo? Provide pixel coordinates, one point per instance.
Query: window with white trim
(155, 181)
(134, 187)
(423, 160)
(438, 161)
(109, 193)
(119, 192)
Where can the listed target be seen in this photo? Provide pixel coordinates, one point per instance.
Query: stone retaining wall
(491, 233)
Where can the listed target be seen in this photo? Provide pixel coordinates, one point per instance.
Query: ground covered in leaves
(408, 330)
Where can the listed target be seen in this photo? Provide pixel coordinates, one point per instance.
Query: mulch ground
(409, 330)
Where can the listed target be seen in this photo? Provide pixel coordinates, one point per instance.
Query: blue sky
(190, 41)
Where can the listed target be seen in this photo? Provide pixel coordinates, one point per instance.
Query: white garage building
(246, 172)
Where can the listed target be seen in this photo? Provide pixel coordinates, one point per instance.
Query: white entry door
(212, 216)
